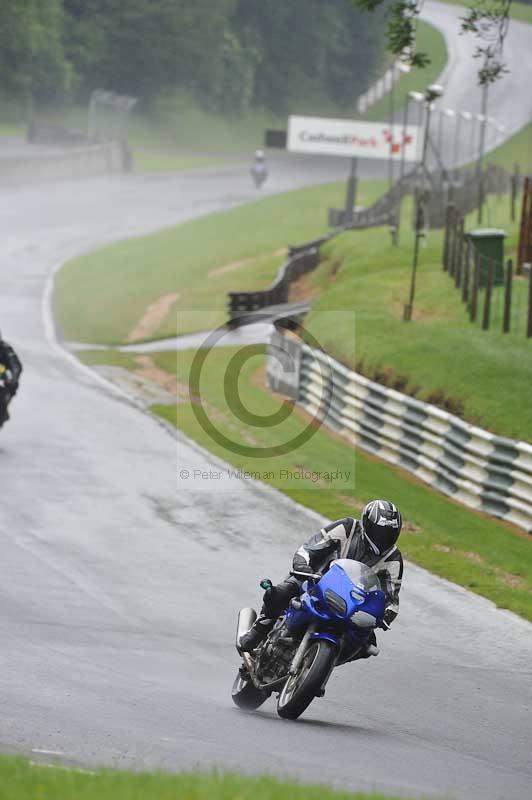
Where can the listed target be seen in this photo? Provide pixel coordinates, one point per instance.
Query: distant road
(510, 99)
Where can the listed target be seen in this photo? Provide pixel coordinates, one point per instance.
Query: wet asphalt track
(119, 581)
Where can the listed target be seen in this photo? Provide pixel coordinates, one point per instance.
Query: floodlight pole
(405, 128)
(482, 144)
(431, 93)
(391, 114)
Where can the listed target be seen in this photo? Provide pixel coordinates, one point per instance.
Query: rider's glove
(306, 568)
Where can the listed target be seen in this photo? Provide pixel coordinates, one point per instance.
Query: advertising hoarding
(352, 138)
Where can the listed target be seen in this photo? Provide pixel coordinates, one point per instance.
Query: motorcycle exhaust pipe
(246, 618)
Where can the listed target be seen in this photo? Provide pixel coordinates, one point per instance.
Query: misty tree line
(231, 54)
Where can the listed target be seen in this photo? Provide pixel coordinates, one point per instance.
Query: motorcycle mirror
(266, 584)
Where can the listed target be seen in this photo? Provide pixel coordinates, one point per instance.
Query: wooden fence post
(447, 234)
(452, 244)
(525, 229)
(467, 270)
(514, 189)
(529, 324)
(487, 298)
(508, 297)
(459, 254)
(474, 288)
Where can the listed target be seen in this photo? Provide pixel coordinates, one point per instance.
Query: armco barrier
(483, 471)
(302, 260)
(72, 163)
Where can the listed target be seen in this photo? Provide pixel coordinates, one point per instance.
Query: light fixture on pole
(431, 94)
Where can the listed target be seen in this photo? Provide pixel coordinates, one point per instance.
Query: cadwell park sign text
(352, 138)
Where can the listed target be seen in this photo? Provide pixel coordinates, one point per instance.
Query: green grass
(100, 297)
(430, 41)
(463, 546)
(12, 129)
(518, 11)
(517, 150)
(440, 356)
(20, 780)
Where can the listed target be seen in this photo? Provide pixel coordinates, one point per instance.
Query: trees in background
(231, 54)
(33, 63)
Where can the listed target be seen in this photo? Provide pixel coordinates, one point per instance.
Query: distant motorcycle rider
(259, 170)
(371, 540)
(10, 371)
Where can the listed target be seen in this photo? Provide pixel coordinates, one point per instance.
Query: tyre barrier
(483, 471)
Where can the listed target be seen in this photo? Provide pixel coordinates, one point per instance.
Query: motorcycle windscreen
(360, 574)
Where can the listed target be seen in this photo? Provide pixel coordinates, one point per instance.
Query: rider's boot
(371, 648)
(257, 633)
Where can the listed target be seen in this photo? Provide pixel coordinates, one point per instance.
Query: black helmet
(381, 525)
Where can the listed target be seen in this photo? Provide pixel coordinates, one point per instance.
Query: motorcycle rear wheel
(300, 689)
(245, 694)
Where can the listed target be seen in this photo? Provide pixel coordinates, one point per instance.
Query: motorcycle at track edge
(5, 394)
(326, 626)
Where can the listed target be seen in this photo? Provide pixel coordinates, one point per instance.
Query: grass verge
(518, 11)
(101, 297)
(517, 150)
(441, 356)
(486, 556)
(20, 780)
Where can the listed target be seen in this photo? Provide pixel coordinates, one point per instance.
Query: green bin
(488, 246)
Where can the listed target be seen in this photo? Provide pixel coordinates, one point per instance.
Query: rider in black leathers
(10, 371)
(372, 540)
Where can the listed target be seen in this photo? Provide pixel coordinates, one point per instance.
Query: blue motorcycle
(326, 626)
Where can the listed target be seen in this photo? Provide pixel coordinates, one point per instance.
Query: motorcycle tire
(300, 689)
(245, 694)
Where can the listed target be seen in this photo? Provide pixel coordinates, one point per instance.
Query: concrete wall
(69, 164)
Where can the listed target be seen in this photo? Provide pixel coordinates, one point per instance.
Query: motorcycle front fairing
(346, 603)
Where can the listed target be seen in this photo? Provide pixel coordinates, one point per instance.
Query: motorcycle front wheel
(245, 694)
(300, 689)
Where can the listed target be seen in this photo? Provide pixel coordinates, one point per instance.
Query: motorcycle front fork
(300, 652)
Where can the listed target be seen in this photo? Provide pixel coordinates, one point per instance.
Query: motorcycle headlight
(363, 619)
(335, 603)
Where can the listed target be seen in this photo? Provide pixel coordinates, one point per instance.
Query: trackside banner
(344, 137)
